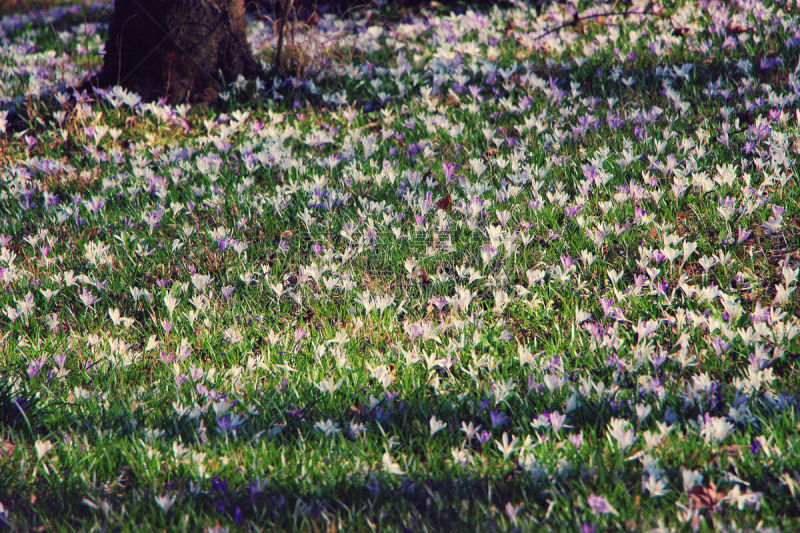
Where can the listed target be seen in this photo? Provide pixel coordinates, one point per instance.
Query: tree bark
(180, 50)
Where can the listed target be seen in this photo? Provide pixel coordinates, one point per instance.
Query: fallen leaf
(708, 497)
(424, 275)
(445, 202)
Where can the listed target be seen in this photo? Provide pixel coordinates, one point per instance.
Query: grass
(469, 280)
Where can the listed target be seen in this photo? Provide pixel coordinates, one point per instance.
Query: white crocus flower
(436, 425)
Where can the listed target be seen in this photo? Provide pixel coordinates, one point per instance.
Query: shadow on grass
(448, 498)
(450, 502)
(589, 75)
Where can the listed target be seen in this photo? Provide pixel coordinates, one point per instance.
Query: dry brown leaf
(708, 497)
(444, 202)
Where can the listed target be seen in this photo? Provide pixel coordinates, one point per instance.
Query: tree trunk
(177, 49)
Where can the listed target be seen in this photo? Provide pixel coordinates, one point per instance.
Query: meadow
(454, 271)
